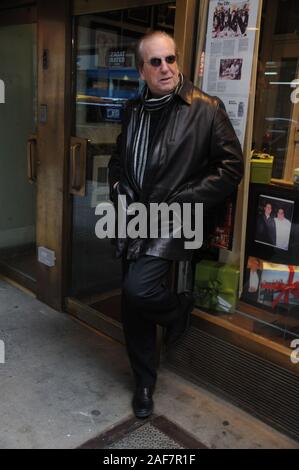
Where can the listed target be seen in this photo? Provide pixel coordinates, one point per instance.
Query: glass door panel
(17, 123)
(106, 77)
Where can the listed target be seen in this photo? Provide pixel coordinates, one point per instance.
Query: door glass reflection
(17, 122)
(106, 78)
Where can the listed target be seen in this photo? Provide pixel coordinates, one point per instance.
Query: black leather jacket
(195, 156)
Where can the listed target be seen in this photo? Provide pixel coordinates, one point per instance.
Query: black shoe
(143, 404)
(177, 329)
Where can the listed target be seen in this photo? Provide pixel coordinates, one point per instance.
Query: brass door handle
(78, 166)
(31, 159)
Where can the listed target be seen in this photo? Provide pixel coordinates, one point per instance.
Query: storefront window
(265, 259)
(271, 280)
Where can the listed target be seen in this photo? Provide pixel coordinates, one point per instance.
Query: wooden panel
(95, 319)
(13, 275)
(18, 16)
(240, 232)
(54, 35)
(83, 7)
(201, 39)
(247, 340)
(184, 33)
(16, 3)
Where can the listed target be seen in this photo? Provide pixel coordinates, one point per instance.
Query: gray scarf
(141, 140)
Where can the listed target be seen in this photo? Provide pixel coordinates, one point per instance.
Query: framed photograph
(252, 279)
(230, 69)
(105, 43)
(272, 286)
(103, 40)
(273, 224)
(231, 20)
(222, 235)
(274, 221)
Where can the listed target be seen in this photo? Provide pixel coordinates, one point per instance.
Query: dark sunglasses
(157, 61)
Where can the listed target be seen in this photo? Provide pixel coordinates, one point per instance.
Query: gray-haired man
(177, 145)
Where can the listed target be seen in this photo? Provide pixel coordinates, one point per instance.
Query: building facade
(66, 70)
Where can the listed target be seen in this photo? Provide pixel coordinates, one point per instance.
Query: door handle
(31, 158)
(78, 154)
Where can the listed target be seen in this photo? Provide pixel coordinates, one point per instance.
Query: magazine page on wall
(230, 40)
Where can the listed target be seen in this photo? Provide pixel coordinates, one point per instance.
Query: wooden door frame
(54, 103)
(21, 15)
(53, 138)
(53, 19)
(13, 13)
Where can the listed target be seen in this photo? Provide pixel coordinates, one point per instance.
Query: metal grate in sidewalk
(156, 432)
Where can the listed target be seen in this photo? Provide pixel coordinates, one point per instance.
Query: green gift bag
(216, 286)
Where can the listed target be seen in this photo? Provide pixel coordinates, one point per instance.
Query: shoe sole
(143, 414)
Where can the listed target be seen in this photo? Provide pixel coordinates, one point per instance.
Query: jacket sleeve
(225, 165)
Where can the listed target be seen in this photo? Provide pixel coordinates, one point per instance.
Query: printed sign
(229, 55)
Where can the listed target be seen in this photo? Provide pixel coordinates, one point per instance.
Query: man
(177, 145)
(265, 229)
(252, 278)
(283, 230)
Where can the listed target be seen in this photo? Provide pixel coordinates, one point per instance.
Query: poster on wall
(230, 39)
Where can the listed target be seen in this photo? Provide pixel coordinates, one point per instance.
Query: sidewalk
(63, 384)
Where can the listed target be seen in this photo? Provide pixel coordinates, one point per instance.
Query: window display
(267, 300)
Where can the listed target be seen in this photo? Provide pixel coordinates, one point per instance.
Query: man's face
(163, 79)
(280, 214)
(268, 209)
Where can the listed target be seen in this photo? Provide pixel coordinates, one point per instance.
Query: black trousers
(146, 302)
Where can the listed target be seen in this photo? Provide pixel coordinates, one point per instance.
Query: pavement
(63, 383)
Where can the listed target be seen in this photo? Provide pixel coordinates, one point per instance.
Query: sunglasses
(157, 61)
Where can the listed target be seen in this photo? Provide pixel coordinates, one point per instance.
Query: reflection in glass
(17, 122)
(106, 78)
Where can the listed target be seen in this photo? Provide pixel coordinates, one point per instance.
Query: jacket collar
(186, 90)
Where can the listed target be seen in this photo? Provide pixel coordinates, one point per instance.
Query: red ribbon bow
(284, 289)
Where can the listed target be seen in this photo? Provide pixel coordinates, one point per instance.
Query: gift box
(216, 286)
(279, 285)
(261, 167)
